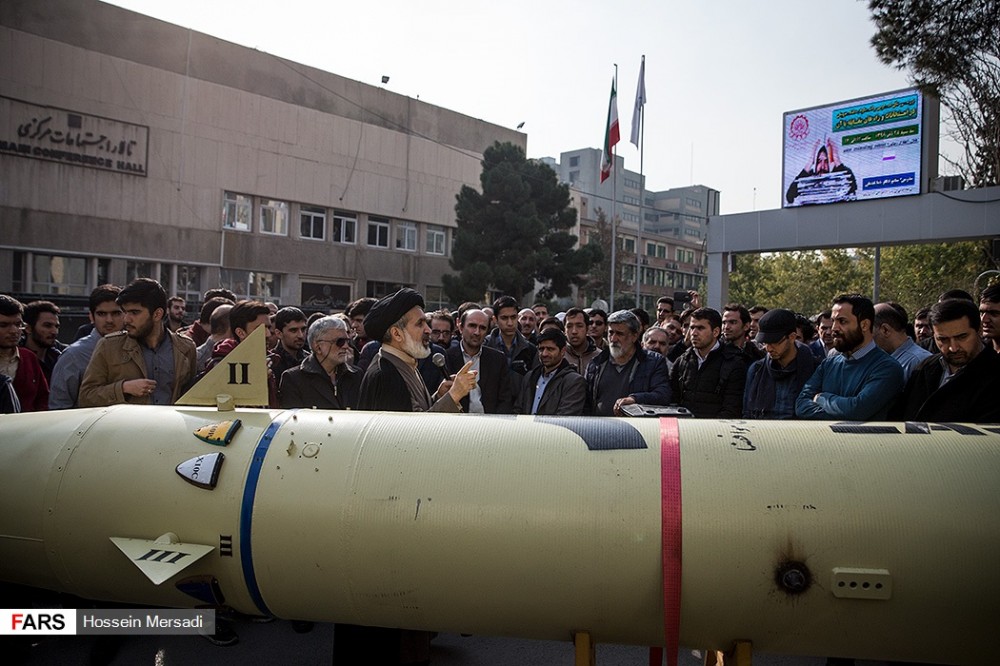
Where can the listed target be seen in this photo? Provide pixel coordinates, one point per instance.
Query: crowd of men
(857, 361)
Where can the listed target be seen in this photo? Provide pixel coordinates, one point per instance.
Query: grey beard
(416, 348)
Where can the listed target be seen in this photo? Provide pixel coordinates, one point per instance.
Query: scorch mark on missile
(599, 434)
(793, 577)
(791, 573)
(418, 508)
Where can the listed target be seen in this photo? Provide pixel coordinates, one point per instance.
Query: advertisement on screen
(867, 148)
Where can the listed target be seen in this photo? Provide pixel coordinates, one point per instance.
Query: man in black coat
(554, 387)
(963, 381)
(324, 379)
(492, 393)
(392, 382)
(709, 377)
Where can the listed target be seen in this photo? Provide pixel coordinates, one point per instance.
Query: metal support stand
(738, 655)
(584, 649)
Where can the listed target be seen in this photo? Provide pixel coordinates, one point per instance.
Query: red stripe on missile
(670, 515)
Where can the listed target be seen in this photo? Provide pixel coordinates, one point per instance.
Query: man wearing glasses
(664, 310)
(19, 365)
(325, 379)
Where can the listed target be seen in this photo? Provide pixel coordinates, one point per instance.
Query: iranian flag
(611, 135)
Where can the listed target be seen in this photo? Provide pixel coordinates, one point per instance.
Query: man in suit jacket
(492, 394)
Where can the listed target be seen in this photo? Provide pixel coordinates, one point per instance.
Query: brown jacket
(118, 358)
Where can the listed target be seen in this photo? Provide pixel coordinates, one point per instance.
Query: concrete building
(131, 147)
(672, 238)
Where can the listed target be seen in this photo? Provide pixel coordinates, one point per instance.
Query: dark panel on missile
(863, 429)
(599, 434)
(959, 428)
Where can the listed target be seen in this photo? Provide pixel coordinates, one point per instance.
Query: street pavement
(277, 643)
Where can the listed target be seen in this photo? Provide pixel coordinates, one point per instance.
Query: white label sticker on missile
(202, 471)
(160, 560)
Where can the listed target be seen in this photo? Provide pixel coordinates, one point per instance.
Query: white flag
(640, 100)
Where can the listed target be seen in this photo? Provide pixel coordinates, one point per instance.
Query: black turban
(389, 310)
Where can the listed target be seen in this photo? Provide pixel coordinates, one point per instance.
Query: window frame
(406, 236)
(280, 216)
(234, 202)
(380, 225)
(435, 231)
(314, 213)
(339, 231)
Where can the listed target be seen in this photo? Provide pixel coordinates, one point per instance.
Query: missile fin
(162, 558)
(203, 470)
(218, 434)
(242, 374)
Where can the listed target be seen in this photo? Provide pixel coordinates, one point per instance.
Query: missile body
(875, 541)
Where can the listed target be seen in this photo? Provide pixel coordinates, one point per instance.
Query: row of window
(77, 276)
(274, 218)
(659, 250)
(658, 277)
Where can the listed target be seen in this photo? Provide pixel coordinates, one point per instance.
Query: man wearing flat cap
(774, 382)
(392, 382)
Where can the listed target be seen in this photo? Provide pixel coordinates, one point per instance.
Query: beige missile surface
(874, 541)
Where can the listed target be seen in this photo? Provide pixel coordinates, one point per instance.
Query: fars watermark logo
(26, 621)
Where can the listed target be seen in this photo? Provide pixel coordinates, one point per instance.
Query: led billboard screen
(867, 148)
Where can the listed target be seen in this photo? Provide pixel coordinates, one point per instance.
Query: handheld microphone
(438, 360)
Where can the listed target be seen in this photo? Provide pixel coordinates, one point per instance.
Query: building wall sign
(60, 135)
(323, 296)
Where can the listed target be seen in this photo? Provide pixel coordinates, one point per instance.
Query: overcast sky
(719, 73)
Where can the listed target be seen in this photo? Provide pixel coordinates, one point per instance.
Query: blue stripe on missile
(599, 434)
(246, 511)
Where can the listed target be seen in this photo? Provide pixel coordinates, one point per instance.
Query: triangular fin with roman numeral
(241, 374)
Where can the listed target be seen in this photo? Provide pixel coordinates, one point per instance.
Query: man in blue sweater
(862, 381)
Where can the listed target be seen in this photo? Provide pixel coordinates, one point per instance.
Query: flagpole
(638, 140)
(642, 186)
(614, 201)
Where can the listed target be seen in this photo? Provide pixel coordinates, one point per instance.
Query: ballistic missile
(875, 540)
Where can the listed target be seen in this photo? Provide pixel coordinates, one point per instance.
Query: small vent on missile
(850, 583)
(226, 545)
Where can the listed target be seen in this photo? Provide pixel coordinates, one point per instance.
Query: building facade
(133, 147)
(671, 240)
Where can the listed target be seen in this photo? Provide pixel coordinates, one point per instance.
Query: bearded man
(145, 364)
(392, 382)
(860, 383)
(624, 373)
